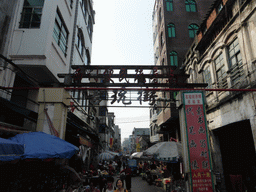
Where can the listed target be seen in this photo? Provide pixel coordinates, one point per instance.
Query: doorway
(238, 155)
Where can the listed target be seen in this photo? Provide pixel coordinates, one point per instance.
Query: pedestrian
(128, 177)
(109, 187)
(140, 166)
(119, 164)
(92, 187)
(120, 186)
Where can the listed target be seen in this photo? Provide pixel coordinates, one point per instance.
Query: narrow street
(140, 185)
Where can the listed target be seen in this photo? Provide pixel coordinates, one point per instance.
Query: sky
(122, 35)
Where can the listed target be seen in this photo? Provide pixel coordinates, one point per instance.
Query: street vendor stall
(41, 166)
(169, 153)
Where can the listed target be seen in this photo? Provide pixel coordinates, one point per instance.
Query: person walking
(128, 177)
(92, 187)
(109, 187)
(120, 186)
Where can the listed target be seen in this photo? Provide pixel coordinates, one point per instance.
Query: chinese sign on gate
(198, 144)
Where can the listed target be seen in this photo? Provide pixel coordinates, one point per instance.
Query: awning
(165, 151)
(74, 121)
(40, 145)
(10, 150)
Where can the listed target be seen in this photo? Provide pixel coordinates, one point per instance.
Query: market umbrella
(165, 151)
(10, 150)
(40, 145)
(105, 156)
(113, 153)
(139, 155)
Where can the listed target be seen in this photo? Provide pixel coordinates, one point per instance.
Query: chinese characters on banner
(200, 163)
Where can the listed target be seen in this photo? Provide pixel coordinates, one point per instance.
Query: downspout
(74, 36)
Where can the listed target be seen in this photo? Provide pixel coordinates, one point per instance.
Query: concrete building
(223, 55)
(137, 135)
(39, 40)
(117, 139)
(174, 24)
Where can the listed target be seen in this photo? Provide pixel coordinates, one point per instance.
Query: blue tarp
(40, 145)
(10, 150)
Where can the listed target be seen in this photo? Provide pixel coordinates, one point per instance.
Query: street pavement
(139, 185)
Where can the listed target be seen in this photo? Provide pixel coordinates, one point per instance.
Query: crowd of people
(104, 172)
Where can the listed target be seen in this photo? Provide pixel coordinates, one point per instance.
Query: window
(171, 30)
(160, 16)
(102, 111)
(31, 14)
(235, 61)
(90, 27)
(221, 74)
(60, 33)
(81, 46)
(162, 40)
(219, 8)
(192, 29)
(207, 77)
(169, 5)
(173, 58)
(190, 5)
(71, 3)
(84, 6)
(80, 43)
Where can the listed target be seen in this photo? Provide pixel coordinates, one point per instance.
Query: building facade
(41, 39)
(223, 55)
(175, 24)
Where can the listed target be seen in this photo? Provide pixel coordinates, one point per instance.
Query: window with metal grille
(60, 33)
(171, 30)
(192, 29)
(235, 62)
(190, 5)
(207, 77)
(169, 5)
(173, 58)
(221, 73)
(31, 14)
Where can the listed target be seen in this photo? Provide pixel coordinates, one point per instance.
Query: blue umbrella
(10, 150)
(40, 145)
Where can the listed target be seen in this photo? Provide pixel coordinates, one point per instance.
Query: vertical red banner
(111, 141)
(198, 144)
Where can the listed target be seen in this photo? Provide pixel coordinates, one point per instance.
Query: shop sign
(198, 144)
(84, 141)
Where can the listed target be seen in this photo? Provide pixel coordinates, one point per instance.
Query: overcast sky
(122, 35)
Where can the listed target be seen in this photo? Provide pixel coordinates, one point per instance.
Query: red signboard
(198, 144)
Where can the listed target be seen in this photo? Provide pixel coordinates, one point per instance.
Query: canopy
(140, 155)
(40, 145)
(105, 156)
(113, 153)
(10, 150)
(165, 151)
(136, 155)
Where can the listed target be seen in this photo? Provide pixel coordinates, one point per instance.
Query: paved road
(139, 185)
